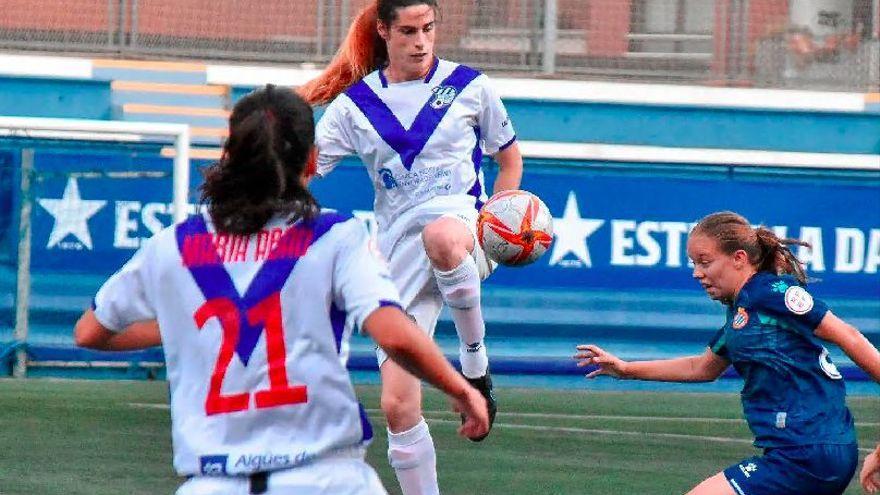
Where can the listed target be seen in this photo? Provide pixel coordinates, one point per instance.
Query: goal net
(80, 197)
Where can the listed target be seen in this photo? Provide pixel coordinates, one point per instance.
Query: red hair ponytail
(359, 54)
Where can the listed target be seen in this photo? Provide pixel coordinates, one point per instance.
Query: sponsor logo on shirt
(740, 319)
(388, 179)
(269, 461)
(779, 286)
(780, 419)
(437, 177)
(798, 300)
(443, 96)
(213, 465)
(748, 469)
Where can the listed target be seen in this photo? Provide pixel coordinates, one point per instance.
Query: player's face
(410, 41)
(720, 274)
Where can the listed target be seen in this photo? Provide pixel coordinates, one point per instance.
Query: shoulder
(329, 216)
(371, 82)
(347, 99)
(197, 223)
(459, 74)
(449, 66)
(337, 108)
(780, 293)
(333, 221)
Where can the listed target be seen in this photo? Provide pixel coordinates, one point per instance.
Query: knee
(402, 413)
(446, 242)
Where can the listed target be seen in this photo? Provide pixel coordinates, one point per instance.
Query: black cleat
(484, 385)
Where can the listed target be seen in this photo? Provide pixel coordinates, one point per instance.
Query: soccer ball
(515, 228)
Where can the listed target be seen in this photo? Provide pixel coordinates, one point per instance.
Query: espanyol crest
(443, 96)
(740, 319)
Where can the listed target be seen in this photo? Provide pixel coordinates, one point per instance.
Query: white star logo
(71, 215)
(571, 233)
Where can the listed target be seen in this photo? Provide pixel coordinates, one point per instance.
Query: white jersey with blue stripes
(422, 141)
(255, 332)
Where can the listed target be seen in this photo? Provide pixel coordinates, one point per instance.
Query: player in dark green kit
(793, 396)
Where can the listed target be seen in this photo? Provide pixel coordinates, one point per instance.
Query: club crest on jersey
(740, 319)
(798, 300)
(443, 96)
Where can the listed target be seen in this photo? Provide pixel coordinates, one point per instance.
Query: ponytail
(259, 175)
(776, 256)
(362, 52)
(766, 251)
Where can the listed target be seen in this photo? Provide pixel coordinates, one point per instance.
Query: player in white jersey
(255, 302)
(421, 126)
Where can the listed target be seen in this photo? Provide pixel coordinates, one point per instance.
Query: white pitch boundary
(567, 429)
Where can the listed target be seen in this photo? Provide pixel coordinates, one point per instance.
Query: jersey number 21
(266, 313)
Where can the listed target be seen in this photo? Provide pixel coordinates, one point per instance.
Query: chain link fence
(822, 44)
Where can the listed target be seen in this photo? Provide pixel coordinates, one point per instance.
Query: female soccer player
(793, 396)
(420, 125)
(256, 302)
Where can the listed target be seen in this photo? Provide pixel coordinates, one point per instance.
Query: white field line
(685, 419)
(567, 429)
(149, 405)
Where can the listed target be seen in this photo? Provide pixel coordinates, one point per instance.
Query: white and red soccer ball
(515, 228)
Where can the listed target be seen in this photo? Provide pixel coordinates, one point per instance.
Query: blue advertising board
(617, 228)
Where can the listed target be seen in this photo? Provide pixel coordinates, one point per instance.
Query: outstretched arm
(91, 334)
(705, 367)
(853, 343)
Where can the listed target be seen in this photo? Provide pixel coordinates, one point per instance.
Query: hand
(608, 363)
(870, 476)
(472, 406)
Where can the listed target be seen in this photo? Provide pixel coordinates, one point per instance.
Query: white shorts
(413, 274)
(339, 476)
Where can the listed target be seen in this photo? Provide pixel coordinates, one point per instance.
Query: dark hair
(387, 9)
(271, 134)
(766, 251)
(362, 51)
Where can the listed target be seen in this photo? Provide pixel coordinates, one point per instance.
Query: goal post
(81, 131)
(97, 130)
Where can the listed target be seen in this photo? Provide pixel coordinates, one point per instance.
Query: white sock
(460, 288)
(411, 454)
